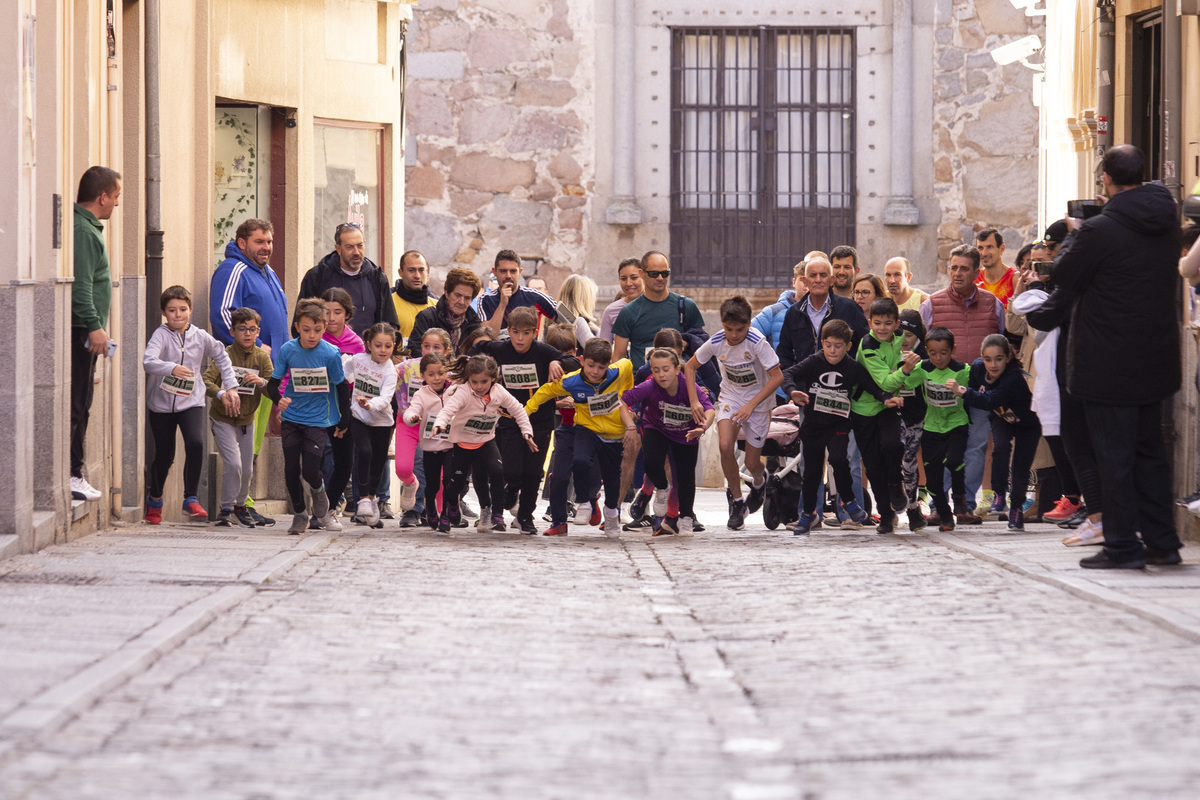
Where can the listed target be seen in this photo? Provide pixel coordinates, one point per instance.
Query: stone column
(623, 208)
(901, 208)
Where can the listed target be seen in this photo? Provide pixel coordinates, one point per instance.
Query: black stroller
(781, 453)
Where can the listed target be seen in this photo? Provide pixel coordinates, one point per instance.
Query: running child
(470, 415)
(749, 376)
(234, 434)
(827, 382)
(944, 435)
(339, 309)
(173, 357)
(997, 384)
(408, 437)
(912, 416)
(373, 377)
(315, 408)
(561, 336)
(597, 434)
(668, 428)
(422, 411)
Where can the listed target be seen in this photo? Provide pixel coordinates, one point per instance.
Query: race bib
(676, 416)
(601, 404)
(741, 376)
(367, 384)
(907, 393)
(181, 387)
(830, 401)
(413, 386)
(242, 373)
(481, 423)
(427, 431)
(519, 376)
(939, 396)
(646, 356)
(310, 380)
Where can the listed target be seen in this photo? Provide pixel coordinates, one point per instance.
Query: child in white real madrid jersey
(750, 375)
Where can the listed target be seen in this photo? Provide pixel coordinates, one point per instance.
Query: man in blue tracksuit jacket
(244, 279)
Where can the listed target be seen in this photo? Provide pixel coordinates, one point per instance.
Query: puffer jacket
(769, 321)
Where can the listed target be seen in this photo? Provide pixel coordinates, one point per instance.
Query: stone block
(463, 90)
(971, 36)
(518, 225)
(1001, 190)
(436, 5)
(570, 219)
(435, 66)
(432, 154)
(977, 79)
(1010, 127)
(943, 35)
(482, 121)
(497, 48)
(951, 59)
(570, 202)
(498, 85)
(566, 60)
(428, 110)
(1001, 18)
(433, 234)
(466, 203)
(542, 191)
(537, 92)
(425, 182)
(535, 131)
(490, 174)
(565, 168)
(449, 35)
(943, 172)
(560, 24)
(948, 86)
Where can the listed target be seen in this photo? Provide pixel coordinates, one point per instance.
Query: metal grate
(51, 578)
(762, 151)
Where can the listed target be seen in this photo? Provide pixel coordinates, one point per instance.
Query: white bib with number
(601, 404)
(939, 396)
(481, 423)
(675, 416)
(310, 380)
(742, 375)
(367, 384)
(414, 386)
(831, 401)
(180, 387)
(427, 431)
(519, 376)
(242, 373)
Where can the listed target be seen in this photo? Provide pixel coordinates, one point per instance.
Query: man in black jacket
(347, 267)
(800, 336)
(1123, 357)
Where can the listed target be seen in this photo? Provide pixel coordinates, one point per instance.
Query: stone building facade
(553, 127)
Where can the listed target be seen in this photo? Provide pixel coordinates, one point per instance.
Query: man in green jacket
(91, 297)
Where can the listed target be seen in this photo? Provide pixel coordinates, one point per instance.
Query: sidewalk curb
(1162, 616)
(59, 704)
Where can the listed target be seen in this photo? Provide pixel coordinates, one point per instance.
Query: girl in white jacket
(373, 376)
(470, 415)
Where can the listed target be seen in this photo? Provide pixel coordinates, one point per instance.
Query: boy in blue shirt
(315, 405)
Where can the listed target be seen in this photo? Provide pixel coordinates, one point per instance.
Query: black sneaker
(225, 519)
(640, 524)
(410, 519)
(498, 523)
(916, 520)
(1162, 558)
(1102, 561)
(669, 526)
(526, 526)
(243, 516)
(754, 499)
(737, 515)
(1075, 520)
(259, 520)
(887, 524)
(637, 509)
(444, 525)
(696, 526)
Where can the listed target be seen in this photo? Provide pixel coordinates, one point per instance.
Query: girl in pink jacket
(421, 414)
(470, 415)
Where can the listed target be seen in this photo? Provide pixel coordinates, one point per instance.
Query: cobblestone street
(752, 665)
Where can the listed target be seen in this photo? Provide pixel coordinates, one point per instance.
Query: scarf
(454, 326)
(417, 297)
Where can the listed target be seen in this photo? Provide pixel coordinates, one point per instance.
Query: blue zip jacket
(240, 282)
(769, 321)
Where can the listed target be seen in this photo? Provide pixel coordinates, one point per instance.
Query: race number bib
(907, 392)
(310, 380)
(413, 386)
(939, 396)
(242, 373)
(601, 404)
(676, 416)
(829, 401)
(481, 423)
(519, 376)
(368, 385)
(741, 375)
(427, 431)
(180, 387)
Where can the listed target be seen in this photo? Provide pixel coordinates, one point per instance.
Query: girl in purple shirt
(668, 428)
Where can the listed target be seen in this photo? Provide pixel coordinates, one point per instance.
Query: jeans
(589, 446)
(973, 459)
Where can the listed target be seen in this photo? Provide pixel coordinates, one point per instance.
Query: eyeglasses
(656, 273)
(245, 329)
(863, 292)
(345, 225)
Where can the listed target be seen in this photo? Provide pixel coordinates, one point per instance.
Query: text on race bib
(481, 423)
(519, 376)
(676, 416)
(413, 386)
(907, 393)
(427, 431)
(831, 401)
(741, 375)
(180, 387)
(367, 384)
(309, 380)
(242, 373)
(939, 396)
(601, 404)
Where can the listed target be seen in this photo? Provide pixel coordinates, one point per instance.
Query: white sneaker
(485, 520)
(660, 502)
(1089, 533)
(583, 514)
(82, 490)
(686, 525)
(612, 522)
(330, 521)
(363, 510)
(408, 495)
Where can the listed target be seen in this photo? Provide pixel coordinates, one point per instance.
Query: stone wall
(985, 126)
(501, 114)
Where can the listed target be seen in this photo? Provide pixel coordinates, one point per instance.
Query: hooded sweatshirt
(168, 349)
(239, 282)
(472, 418)
(368, 289)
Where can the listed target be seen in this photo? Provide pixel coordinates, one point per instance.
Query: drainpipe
(154, 233)
(1172, 97)
(116, 422)
(1106, 59)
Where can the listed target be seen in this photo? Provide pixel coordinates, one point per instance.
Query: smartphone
(1083, 209)
(1043, 268)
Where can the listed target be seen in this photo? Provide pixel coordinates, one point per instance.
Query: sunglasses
(655, 273)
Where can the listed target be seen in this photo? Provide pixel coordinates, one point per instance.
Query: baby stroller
(781, 454)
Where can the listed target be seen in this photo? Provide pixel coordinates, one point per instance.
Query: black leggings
(343, 462)
(815, 444)
(1019, 441)
(371, 452)
(657, 446)
(303, 452)
(462, 461)
(162, 427)
(945, 451)
(1078, 440)
(1062, 465)
(522, 467)
(437, 470)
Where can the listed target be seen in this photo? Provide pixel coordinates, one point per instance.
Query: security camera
(1028, 5)
(1020, 50)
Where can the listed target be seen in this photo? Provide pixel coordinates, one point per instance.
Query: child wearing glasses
(234, 434)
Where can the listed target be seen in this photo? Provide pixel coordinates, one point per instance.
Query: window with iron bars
(762, 151)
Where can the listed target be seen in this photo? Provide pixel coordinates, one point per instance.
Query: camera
(1043, 269)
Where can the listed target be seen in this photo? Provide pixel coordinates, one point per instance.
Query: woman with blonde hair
(578, 296)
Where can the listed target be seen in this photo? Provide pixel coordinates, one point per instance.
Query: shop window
(347, 178)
